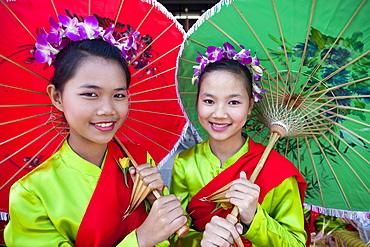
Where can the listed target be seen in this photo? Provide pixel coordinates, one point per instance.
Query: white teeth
(104, 125)
(220, 125)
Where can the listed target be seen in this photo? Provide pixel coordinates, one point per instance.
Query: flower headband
(214, 54)
(49, 44)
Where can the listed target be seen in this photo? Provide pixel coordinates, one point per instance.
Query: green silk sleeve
(31, 226)
(178, 184)
(179, 187)
(129, 240)
(279, 220)
(47, 205)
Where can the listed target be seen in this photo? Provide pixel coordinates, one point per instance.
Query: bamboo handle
(185, 228)
(233, 218)
(274, 137)
(182, 231)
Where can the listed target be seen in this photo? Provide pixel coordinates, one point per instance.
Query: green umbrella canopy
(317, 64)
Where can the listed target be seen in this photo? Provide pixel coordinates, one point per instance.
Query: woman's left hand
(244, 194)
(220, 232)
(151, 177)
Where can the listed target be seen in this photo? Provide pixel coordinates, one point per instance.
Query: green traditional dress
(68, 201)
(279, 220)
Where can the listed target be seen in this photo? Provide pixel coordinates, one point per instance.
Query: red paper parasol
(32, 129)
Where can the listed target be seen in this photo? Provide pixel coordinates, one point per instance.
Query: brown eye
(120, 95)
(89, 94)
(208, 101)
(234, 102)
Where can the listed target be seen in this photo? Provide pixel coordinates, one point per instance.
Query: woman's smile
(104, 126)
(219, 126)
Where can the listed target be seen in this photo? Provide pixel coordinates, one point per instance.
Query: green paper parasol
(317, 61)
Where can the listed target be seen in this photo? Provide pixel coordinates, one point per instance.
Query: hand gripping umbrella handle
(185, 228)
(232, 217)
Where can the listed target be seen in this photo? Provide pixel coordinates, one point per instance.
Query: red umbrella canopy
(32, 129)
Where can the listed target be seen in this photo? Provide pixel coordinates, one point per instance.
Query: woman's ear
(55, 96)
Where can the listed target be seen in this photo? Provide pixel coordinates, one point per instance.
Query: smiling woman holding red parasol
(41, 129)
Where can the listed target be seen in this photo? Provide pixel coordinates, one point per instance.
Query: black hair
(232, 66)
(71, 57)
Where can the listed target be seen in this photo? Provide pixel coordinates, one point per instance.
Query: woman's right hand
(165, 217)
(220, 232)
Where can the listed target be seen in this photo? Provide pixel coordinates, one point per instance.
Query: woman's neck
(93, 153)
(223, 150)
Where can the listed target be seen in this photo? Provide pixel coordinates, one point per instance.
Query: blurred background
(187, 11)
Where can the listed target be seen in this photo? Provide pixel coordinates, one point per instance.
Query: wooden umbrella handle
(232, 217)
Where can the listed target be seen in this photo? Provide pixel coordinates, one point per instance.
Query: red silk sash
(102, 224)
(276, 169)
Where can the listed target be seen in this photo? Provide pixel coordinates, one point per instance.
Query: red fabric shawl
(276, 169)
(102, 224)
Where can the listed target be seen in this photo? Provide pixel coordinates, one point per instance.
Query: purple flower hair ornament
(214, 54)
(45, 52)
(60, 33)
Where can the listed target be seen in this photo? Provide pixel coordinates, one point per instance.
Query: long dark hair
(71, 57)
(232, 66)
